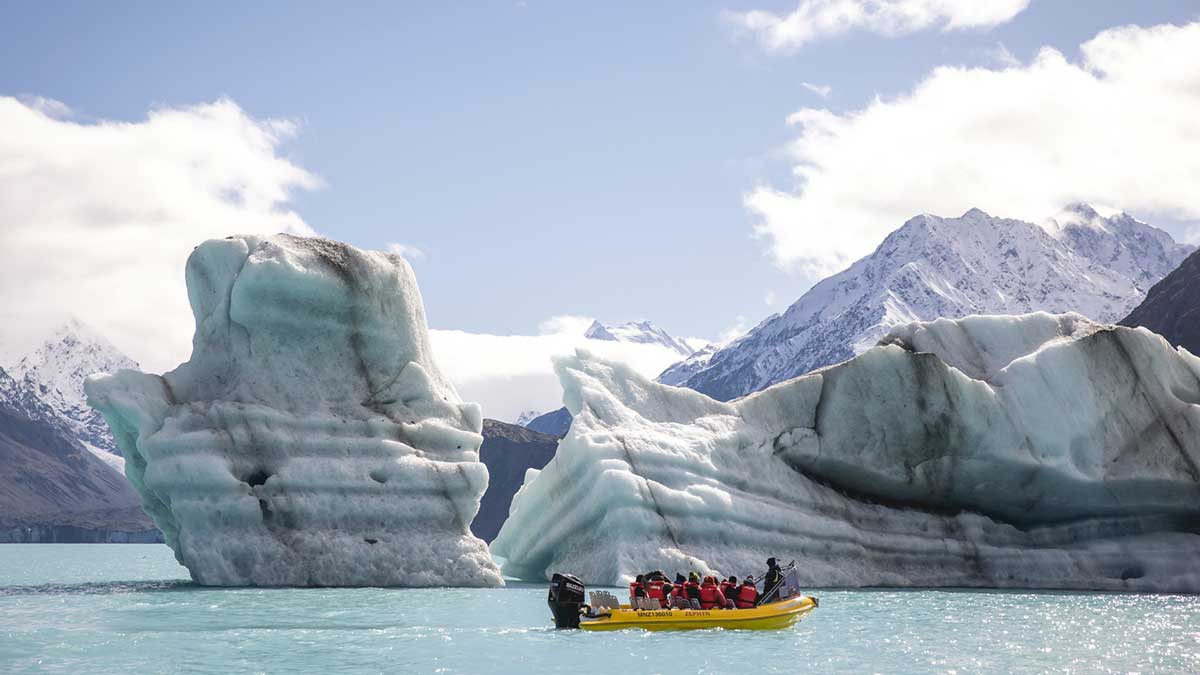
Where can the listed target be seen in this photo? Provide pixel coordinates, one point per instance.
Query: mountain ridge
(935, 267)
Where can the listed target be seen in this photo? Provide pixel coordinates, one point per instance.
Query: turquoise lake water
(130, 609)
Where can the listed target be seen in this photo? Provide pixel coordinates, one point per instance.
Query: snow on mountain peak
(55, 371)
(935, 267)
(640, 332)
(527, 417)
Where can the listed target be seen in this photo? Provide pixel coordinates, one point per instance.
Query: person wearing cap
(679, 596)
(693, 589)
(772, 582)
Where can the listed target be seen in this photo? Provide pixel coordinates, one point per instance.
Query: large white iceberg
(310, 440)
(1032, 451)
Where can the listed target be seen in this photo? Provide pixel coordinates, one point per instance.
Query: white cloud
(1120, 127)
(406, 251)
(737, 330)
(817, 19)
(97, 219)
(822, 90)
(509, 374)
(566, 324)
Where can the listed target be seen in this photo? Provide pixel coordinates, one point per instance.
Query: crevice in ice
(268, 515)
(379, 476)
(650, 489)
(1139, 386)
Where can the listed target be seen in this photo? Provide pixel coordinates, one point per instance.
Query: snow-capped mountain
(53, 488)
(640, 332)
(55, 372)
(527, 417)
(950, 267)
(679, 373)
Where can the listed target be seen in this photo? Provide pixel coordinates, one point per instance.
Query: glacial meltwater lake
(130, 609)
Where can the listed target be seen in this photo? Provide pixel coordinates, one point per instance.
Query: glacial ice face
(310, 440)
(1030, 451)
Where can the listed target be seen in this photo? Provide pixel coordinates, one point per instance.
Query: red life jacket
(710, 597)
(727, 588)
(678, 591)
(633, 589)
(655, 590)
(746, 596)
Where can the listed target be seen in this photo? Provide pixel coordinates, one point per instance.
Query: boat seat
(604, 600)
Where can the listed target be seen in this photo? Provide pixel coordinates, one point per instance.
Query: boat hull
(773, 616)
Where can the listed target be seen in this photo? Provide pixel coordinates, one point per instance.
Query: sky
(698, 164)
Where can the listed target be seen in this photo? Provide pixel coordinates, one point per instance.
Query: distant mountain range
(557, 422)
(554, 423)
(60, 479)
(638, 332)
(946, 267)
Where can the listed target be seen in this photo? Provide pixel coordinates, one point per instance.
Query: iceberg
(310, 440)
(1034, 451)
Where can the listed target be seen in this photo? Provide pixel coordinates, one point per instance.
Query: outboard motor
(565, 600)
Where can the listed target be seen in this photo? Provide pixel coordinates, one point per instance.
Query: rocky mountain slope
(1172, 307)
(949, 267)
(52, 488)
(554, 423)
(508, 451)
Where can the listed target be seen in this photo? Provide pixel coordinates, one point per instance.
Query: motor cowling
(566, 600)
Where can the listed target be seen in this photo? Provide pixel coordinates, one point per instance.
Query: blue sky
(552, 158)
(549, 158)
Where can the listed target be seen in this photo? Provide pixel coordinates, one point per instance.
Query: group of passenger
(693, 592)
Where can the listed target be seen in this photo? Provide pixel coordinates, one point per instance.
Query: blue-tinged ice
(1031, 451)
(311, 439)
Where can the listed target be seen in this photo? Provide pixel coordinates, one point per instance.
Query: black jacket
(772, 583)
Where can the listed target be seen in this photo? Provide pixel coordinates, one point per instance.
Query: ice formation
(310, 440)
(1031, 451)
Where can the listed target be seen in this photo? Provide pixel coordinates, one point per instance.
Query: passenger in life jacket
(692, 587)
(679, 596)
(747, 594)
(729, 587)
(637, 589)
(710, 594)
(657, 588)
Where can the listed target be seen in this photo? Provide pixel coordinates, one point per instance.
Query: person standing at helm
(772, 582)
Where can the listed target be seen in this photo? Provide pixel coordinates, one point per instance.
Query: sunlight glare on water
(130, 608)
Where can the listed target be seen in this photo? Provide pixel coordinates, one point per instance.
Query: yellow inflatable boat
(566, 602)
(772, 616)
